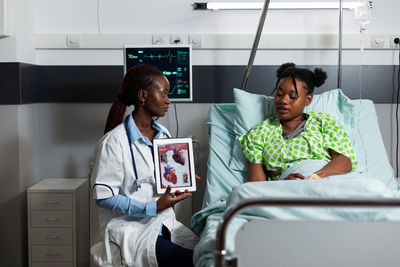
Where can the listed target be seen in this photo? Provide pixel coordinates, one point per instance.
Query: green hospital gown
(264, 143)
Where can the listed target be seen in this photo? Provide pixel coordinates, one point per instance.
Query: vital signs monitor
(173, 60)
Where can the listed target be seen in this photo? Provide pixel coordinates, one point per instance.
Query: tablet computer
(174, 164)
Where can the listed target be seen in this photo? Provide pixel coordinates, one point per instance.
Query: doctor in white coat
(138, 227)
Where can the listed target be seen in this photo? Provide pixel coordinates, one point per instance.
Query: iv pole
(339, 78)
(255, 45)
(258, 36)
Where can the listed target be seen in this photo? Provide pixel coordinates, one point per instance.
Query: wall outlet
(177, 39)
(392, 44)
(158, 39)
(195, 41)
(73, 40)
(378, 41)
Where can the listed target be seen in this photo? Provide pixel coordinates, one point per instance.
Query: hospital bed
(347, 220)
(292, 234)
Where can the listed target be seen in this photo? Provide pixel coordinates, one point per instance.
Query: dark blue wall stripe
(10, 87)
(25, 83)
(90, 84)
(215, 83)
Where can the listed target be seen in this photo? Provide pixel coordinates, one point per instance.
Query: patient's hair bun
(309, 78)
(284, 67)
(319, 77)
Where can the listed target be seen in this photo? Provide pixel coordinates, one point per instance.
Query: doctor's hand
(169, 200)
(294, 176)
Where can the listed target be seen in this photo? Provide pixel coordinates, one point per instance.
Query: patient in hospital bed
(295, 138)
(291, 135)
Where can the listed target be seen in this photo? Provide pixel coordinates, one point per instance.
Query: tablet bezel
(164, 143)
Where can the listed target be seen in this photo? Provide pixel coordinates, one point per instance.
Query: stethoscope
(136, 184)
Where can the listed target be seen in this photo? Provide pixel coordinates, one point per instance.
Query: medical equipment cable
(360, 102)
(177, 134)
(339, 77)
(98, 17)
(397, 115)
(362, 16)
(360, 79)
(177, 123)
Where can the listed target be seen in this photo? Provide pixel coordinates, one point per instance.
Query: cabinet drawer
(52, 253)
(51, 218)
(50, 201)
(51, 236)
(52, 264)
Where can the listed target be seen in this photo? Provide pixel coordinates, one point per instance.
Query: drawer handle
(51, 236)
(52, 219)
(52, 253)
(51, 202)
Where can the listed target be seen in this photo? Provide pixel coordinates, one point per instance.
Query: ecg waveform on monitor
(181, 57)
(178, 89)
(173, 62)
(141, 56)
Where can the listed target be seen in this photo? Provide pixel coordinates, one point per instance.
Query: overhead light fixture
(276, 5)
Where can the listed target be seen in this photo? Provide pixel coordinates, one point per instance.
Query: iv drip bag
(362, 13)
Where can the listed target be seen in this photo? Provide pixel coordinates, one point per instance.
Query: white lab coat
(133, 239)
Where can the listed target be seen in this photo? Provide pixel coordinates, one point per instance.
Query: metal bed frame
(220, 250)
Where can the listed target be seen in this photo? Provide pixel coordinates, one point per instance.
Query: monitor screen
(173, 60)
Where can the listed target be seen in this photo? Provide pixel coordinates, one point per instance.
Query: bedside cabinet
(58, 223)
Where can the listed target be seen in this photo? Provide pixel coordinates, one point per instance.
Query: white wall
(19, 46)
(175, 16)
(15, 142)
(387, 122)
(55, 140)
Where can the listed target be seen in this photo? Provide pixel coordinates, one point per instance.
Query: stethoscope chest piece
(136, 186)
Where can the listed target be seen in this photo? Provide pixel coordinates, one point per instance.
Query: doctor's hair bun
(319, 77)
(283, 68)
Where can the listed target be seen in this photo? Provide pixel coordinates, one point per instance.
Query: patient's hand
(169, 200)
(294, 176)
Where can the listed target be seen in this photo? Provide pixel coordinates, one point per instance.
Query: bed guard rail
(220, 249)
